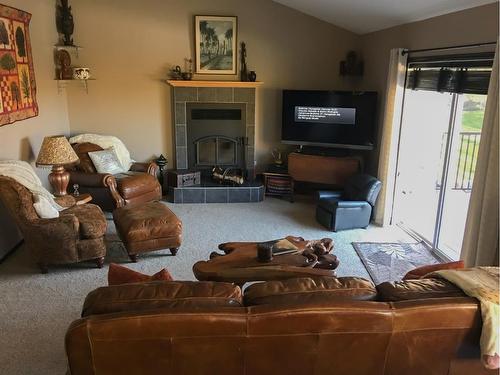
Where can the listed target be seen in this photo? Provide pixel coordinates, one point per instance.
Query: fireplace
(217, 151)
(216, 136)
(215, 126)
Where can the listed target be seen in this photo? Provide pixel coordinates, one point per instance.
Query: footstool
(148, 227)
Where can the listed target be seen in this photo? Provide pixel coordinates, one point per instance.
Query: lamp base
(59, 179)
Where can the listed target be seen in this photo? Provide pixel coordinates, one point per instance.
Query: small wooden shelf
(62, 83)
(192, 83)
(62, 46)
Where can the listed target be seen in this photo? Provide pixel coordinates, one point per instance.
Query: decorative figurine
(188, 74)
(176, 72)
(64, 22)
(161, 162)
(278, 161)
(63, 62)
(352, 65)
(81, 73)
(243, 70)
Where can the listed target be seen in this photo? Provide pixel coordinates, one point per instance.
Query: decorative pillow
(118, 275)
(106, 161)
(420, 272)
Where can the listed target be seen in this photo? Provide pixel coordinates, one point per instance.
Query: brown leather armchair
(343, 326)
(76, 235)
(138, 185)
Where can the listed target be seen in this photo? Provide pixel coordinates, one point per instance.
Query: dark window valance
(468, 74)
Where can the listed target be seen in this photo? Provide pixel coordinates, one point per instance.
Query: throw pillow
(118, 275)
(106, 161)
(420, 272)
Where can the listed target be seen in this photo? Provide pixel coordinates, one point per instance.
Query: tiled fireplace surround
(212, 193)
(185, 95)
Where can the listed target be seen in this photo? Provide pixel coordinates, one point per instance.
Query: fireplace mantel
(238, 84)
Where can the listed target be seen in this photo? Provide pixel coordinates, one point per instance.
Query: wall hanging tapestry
(17, 77)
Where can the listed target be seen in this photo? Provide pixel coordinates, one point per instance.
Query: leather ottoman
(151, 226)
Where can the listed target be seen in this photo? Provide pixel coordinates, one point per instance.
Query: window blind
(467, 73)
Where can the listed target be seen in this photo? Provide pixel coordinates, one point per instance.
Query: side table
(279, 184)
(82, 199)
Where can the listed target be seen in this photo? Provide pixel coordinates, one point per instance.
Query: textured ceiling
(364, 16)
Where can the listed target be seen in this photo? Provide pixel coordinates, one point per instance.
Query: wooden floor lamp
(57, 152)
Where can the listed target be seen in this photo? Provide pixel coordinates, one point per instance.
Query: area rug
(391, 261)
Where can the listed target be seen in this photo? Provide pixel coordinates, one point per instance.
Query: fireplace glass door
(220, 151)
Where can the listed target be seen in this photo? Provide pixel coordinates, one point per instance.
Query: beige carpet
(36, 309)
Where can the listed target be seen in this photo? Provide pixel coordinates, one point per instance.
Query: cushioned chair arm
(351, 204)
(59, 226)
(325, 194)
(92, 179)
(150, 168)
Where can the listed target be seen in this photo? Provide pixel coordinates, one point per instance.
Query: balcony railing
(467, 158)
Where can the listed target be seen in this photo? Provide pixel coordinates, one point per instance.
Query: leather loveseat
(343, 326)
(134, 187)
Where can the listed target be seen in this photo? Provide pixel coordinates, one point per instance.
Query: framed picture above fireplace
(216, 44)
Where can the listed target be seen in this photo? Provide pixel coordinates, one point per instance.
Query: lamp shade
(56, 150)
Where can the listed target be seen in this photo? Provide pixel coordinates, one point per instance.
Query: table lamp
(57, 152)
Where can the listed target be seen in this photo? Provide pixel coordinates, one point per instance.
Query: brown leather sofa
(343, 326)
(76, 235)
(137, 186)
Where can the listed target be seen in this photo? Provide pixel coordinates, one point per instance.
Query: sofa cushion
(82, 150)
(91, 218)
(133, 184)
(118, 275)
(161, 294)
(304, 290)
(417, 289)
(419, 272)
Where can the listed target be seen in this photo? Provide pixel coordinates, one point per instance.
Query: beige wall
(22, 139)
(130, 46)
(470, 26)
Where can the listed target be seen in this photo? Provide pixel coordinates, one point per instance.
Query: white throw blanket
(22, 172)
(481, 283)
(106, 141)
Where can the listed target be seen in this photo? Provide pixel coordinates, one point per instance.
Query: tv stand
(319, 169)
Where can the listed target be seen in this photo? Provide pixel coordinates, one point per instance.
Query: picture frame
(216, 44)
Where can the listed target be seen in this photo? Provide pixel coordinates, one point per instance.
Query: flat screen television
(341, 119)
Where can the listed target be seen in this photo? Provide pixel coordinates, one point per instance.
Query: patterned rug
(391, 261)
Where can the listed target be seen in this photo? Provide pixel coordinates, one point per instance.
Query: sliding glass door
(425, 122)
(464, 148)
(439, 143)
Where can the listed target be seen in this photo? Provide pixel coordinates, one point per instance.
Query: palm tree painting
(215, 41)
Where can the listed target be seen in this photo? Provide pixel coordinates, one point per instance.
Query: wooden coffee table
(240, 264)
